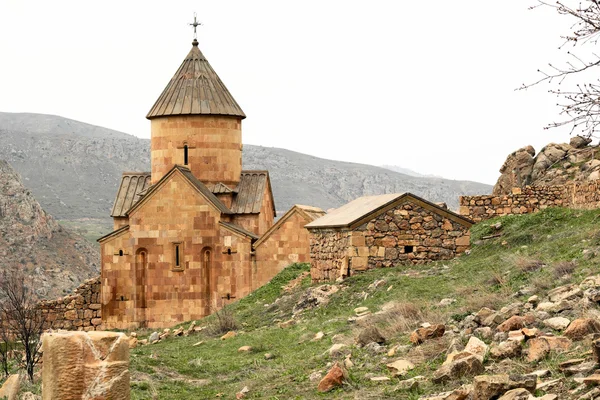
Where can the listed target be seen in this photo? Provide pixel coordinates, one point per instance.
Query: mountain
(56, 258)
(74, 169)
(407, 171)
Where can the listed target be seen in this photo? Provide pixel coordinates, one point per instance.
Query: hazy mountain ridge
(74, 169)
(31, 240)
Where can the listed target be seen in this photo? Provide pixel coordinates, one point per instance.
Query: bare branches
(581, 106)
(22, 316)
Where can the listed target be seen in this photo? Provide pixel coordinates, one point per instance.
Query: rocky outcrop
(556, 164)
(32, 241)
(85, 365)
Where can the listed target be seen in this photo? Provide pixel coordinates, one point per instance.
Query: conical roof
(195, 89)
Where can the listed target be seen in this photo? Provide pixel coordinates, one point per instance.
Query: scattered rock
(380, 379)
(557, 323)
(228, 335)
(370, 335)
(245, 349)
(361, 310)
(507, 349)
(580, 328)
(487, 387)
(516, 322)
(287, 324)
(315, 376)
(540, 347)
(335, 350)
(467, 366)
(423, 334)
(318, 336)
(269, 356)
(153, 337)
(592, 380)
(579, 142)
(476, 347)
(446, 302)
(334, 378)
(400, 367)
(516, 394)
(315, 297)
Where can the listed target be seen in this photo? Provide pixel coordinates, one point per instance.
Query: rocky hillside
(73, 169)
(555, 164)
(30, 239)
(517, 318)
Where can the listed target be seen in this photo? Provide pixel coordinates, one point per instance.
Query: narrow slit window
(185, 154)
(120, 252)
(177, 255)
(408, 249)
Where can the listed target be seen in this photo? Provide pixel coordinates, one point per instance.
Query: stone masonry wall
(329, 254)
(80, 311)
(531, 199)
(408, 233)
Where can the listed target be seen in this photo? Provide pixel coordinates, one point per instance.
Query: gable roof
(250, 192)
(307, 212)
(199, 186)
(131, 189)
(221, 188)
(113, 233)
(195, 89)
(238, 229)
(366, 208)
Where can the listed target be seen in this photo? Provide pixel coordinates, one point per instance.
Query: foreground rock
(334, 378)
(487, 387)
(85, 365)
(430, 332)
(10, 388)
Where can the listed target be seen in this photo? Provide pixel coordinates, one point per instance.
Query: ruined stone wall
(329, 254)
(408, 233)
(80, 311)
(585, 195)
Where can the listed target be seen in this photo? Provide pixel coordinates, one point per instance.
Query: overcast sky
(426, 85)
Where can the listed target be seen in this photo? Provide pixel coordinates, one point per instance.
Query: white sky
(426, 85)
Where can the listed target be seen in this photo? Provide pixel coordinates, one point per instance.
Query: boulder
(92, 365)
(516, 322)
(487, 387)
(334, 378)
(467, 366)
(579, 142)
(557, 323)
(423, 334)
(507, 349)
(580, 328)
(516, 394)
(540, 347)
(370, 335)
(516, 171)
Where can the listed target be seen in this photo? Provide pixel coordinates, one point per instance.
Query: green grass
(488, 276)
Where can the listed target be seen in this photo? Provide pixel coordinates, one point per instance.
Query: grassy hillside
(533, 254)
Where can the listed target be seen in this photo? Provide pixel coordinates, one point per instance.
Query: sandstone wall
(80, 311)
(585, 195)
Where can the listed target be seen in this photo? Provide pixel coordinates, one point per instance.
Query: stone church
(184, 233)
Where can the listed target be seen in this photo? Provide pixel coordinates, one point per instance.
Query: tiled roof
(113, 233)
(369, 206)
(221, 188)
(239, 229)
(250, 192)
(133, 185)
(195, 89)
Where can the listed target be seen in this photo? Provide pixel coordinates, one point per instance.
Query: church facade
(184, 233)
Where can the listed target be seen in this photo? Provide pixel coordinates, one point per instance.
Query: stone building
(285, 243)
(384, 231)
(184, 233)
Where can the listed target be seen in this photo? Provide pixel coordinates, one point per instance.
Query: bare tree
(6, 346)
(581, 102)
(19, 308)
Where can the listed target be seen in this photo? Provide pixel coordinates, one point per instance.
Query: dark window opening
(229, 251)
(177, 255)
(120, 252)
(408, 249)
(185, 155)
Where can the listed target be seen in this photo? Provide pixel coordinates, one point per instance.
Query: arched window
(121, 252)
(206, 278)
